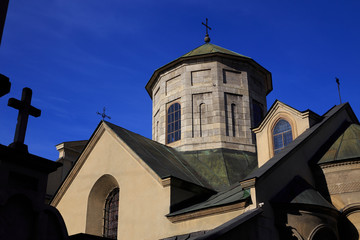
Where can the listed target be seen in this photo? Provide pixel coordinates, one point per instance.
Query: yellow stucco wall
(299, 123)
(144, 202)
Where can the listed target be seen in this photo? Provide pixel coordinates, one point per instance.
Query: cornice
(339, 166)
(182, 60)
(207, 212)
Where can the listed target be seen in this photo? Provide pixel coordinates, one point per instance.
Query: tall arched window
(174, 123)
(111, 214)
(282, 135)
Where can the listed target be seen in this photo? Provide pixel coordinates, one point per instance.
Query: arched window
(111, 214)
(282, 135)
(174, 123)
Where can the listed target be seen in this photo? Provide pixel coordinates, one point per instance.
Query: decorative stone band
(344, 187)
(340, 166)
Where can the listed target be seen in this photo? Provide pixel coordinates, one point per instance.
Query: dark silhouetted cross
(207, 38)
(25, 109)
(206, 25)
(338, 84)
(103, 115)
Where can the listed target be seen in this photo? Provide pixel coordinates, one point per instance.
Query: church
(219, 165)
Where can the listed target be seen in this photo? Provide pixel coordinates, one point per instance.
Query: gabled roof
(163, 160)
(301, 139)
(277, 104)
(346, 147)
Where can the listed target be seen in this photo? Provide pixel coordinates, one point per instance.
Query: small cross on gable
(103, 115)
(25, 109)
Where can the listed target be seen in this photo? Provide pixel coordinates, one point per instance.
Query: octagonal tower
(209, 98)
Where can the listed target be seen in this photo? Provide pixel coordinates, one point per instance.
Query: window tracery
(282, 135)
(111, 214)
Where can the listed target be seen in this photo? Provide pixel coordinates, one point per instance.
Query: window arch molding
(354, 207)
(173, 122)
(346, 226)
(281, 116)
(322, 230)
(96, 203)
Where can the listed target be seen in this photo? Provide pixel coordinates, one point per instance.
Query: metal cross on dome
(207, 38)
(103, 115)
(338, 84)
(25, 109)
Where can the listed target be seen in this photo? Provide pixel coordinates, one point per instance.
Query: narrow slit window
(257, 113)
(157, 131)
(233, 118)
(174, 123)
(201, 116)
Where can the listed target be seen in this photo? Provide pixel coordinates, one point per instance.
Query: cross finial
(103, 115)
(338, 84)
(25, 109)
(207, 38)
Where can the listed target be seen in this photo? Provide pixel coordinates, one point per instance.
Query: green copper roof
(347, 146)
(221, 167)
(208, 48)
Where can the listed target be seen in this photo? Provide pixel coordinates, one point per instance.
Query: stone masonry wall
(216, 96)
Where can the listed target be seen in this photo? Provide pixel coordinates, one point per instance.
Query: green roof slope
(347, 146)
(208, 48)
(163, 160)
(221, 167)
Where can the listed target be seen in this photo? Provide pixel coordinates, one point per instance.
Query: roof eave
(152, 81)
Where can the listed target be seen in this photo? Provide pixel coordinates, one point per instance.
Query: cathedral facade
(219, 165)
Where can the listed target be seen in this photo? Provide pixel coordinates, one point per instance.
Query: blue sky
(81, 55)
